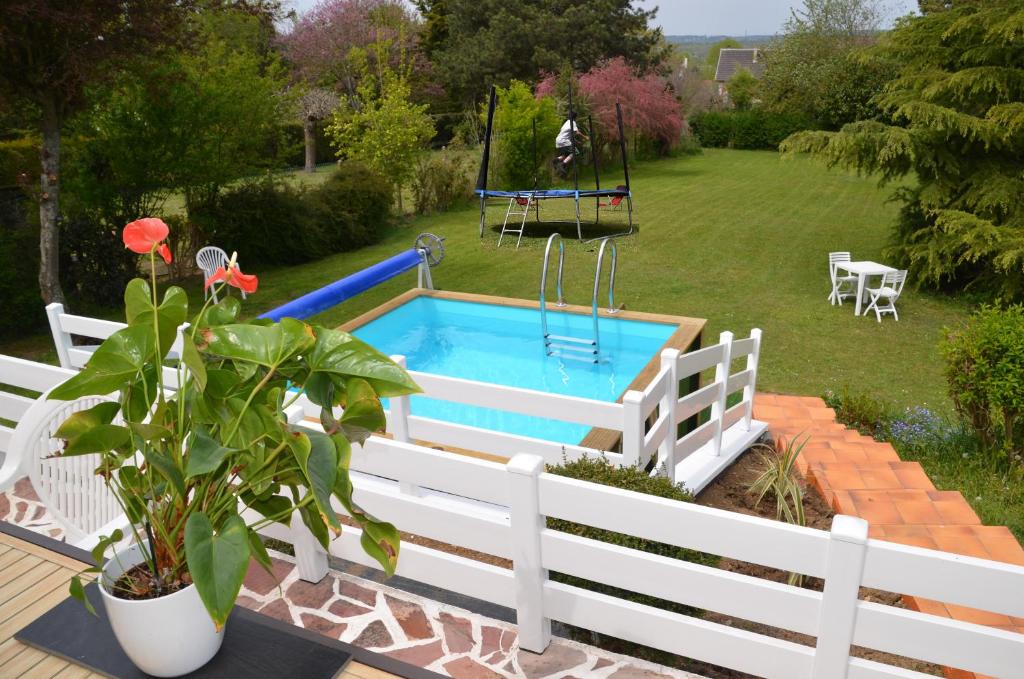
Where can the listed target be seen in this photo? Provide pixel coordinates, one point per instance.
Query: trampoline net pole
(622, 143)
(481, 180)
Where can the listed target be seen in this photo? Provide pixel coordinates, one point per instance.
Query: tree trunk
(49, 205)
(309, 133)
(398, 192)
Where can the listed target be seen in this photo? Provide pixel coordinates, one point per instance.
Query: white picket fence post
(61, 339)
(748, 391)
(632, 428)
(310, 556)
(843, 573)
(400, 408)
(667, 408)
(526, 523)
(722, 377)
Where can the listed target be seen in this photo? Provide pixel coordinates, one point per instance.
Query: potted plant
(200, 469)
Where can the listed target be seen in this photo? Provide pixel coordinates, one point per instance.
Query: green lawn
(738, 237)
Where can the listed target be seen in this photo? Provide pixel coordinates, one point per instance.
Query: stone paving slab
(862, 477)
(443, 638)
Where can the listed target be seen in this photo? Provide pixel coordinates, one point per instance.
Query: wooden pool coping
(686, 337)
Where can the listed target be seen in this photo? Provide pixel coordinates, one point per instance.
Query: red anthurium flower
(233, 276)
(143, 234)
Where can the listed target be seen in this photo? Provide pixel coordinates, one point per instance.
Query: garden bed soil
(729, 491)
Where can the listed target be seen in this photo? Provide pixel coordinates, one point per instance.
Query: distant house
(732, 59)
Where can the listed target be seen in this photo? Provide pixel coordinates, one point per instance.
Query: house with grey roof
(731, 60)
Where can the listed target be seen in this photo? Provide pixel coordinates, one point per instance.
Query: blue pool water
(503, 345)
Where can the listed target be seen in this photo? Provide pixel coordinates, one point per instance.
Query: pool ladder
(575, 348)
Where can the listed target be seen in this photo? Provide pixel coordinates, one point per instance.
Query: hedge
(268, 221)
(753, 129)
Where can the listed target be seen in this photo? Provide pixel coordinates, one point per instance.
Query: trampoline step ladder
(514, 205)
(564, 346)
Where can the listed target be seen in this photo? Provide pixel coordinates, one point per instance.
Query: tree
(314, 105)
(815, 70)
(743, 89)
(477, 43)
(518, 155)
(326, 45)
(50, 51)
(954, 121)
(383, 128)
(650, 111)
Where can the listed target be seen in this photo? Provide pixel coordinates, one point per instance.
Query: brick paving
(443, 638)
(862, 477)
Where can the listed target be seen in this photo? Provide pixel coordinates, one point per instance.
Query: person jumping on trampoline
(565, 144)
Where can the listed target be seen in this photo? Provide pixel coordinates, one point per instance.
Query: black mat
(255, 646)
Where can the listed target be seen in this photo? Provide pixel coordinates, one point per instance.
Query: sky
(716, 17)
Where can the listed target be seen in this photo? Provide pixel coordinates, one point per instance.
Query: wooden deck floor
(32, 581)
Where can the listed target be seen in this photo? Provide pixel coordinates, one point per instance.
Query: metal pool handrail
(544, 279)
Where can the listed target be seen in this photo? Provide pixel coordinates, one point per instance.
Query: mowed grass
(740, 238)
(737, 237)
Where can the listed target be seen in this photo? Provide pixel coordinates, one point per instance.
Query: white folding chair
(889, 291)
(73, 494)
(209, 259)
(839, 283)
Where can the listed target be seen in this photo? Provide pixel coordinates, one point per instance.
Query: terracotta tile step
(923, 507)
(873, 475)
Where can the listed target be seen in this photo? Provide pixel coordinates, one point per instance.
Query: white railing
(74, 357)
(508, 518)
(22, 374)
(646, 420)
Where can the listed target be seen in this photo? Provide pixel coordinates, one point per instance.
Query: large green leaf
(172, 312)
(363, 414)
(116, 362)
(205, 454)
(84, 420)
(340, 353)
(318, 459)
(167, 468)
(274, 507)
(382, 541)
(217, 562)
(100, 439)
(221, 313)
(268, 346)
(195, 364)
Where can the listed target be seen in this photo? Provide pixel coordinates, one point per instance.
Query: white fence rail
(647, 420)
(508, 516)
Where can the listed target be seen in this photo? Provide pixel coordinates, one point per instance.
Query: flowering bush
(649, 108)
(185, 463)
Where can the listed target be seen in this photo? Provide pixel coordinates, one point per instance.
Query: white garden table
(863, 271)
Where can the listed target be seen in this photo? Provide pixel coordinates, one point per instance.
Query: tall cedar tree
(50, 50)
(954, 121)
(477, 43)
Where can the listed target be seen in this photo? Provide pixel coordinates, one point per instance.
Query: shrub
(441, 180)
(265, 221)
(353, 207)
(863, 412)
(19, 162)
(985, 371)
(19, 264)
(94, 262)
(517, 155)
(599, 470)
(753, 129)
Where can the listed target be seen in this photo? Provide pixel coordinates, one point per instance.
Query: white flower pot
(165, 637)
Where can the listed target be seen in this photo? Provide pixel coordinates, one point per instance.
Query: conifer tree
(953, 122)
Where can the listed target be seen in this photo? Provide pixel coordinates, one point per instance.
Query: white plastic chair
(839, 291)
(76, 497)
(209, 259)
(889, 291)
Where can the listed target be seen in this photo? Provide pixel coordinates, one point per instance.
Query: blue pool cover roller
(324, 298)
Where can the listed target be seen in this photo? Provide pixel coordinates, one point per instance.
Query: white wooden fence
(646, 419)
(509, 520)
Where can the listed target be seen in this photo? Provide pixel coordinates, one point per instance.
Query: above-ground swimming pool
(499, 340)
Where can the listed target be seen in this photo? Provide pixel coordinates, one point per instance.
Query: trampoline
(522, 201)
